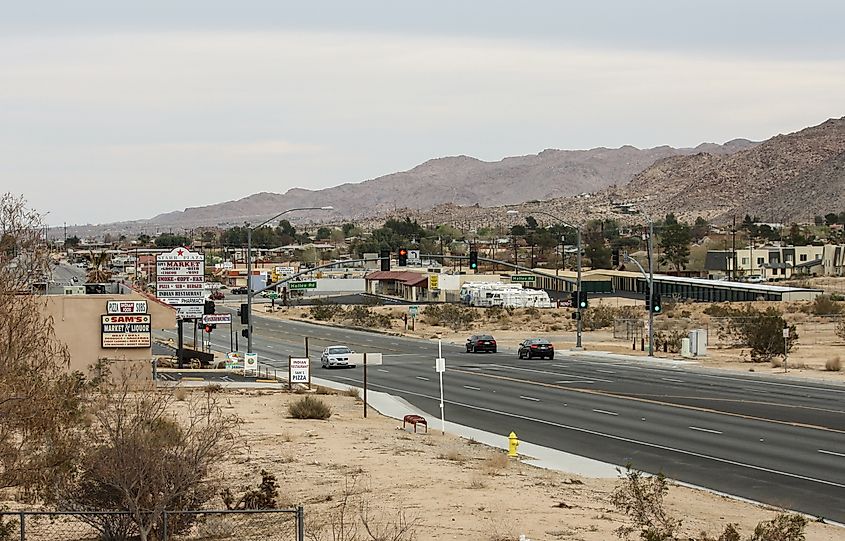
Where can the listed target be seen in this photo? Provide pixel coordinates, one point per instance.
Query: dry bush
(262, 497)
(453, 454)
(140, 459)
(180, 394)
(833, 364)
(823, 305)
(309, 407)
(352, 392)
(477, 483)
(327, 391)
(354, 518)
(840, 329)
(495, 463)
(41, 404)
(213, 388)
(448, 315)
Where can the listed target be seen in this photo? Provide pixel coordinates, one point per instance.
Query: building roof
(406, 277)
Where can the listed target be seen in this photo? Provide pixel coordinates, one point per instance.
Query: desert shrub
(719, 310)
(672, 340)
(784, 527)
(823, 305)
(325, 311)
(454, 316)
(833, 364)
(321, 390)
(598, 317)
(262, 497)
(840, 329)
(350, 391)
(213, 388)
(309, 408)
(362, 316)
(138, 458)
(759, 330)
(493, 312)
(640, 497)
(532, 312)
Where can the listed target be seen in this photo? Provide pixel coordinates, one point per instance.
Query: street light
(249, 295)
(578, 278)
(650, 280)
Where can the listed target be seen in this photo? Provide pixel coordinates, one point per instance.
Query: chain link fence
(207, 525)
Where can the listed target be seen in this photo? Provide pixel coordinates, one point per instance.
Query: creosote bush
(309, 407)
(833, 364)
(454, 316)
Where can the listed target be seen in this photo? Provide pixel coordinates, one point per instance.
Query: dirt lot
(816, 346)
(450, 488)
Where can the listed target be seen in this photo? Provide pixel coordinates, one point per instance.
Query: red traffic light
(403, 251)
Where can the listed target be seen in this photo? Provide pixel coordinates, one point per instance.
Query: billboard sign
(180, 280)
(126, 331)
(126, 307)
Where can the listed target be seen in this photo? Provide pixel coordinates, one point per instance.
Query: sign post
(785, 347)
(365, 385)
(440, 367)
(251, 363)
(299, 370)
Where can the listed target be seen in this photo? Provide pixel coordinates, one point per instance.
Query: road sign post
(785, 348)
(440, 367)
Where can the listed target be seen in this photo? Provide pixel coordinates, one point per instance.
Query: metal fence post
(300, 524)
(23, 527)
(164, 519)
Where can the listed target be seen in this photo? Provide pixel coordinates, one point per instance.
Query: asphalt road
(773, 440)
(64, 274)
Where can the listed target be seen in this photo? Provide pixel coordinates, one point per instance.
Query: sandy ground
(450, 488)
(817, 343)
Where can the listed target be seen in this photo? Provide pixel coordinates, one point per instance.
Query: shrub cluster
(454, 316)
(309, 407)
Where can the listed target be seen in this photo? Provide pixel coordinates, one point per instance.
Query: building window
(745, 261)
(760, 260)
(789, 259)
(803, 257)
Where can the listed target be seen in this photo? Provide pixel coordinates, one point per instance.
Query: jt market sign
(180, 278)
(126, 331)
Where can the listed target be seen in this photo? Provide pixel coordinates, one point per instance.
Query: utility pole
(732, 273)
(650, 289)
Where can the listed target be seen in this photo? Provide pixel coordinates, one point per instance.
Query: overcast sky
(117, 110)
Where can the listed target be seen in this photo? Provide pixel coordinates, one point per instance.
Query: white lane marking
(606, 412)
(623, 438)
(471, 388)
(422, 378)
(605, 371)
(704, 430)
(565, 381)
(269, 346)
(531, 398)
(383, 370)
(673, 380)
(500, 367)
(831, 453)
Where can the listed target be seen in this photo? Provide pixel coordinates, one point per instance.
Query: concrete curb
(535, 455)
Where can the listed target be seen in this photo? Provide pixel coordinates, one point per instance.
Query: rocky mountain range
(460, 180)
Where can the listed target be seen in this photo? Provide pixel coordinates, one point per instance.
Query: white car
(336, 356)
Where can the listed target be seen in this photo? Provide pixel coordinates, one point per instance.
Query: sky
(114, 111)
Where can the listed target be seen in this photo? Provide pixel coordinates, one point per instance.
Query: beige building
(771, 262)
(79, 323)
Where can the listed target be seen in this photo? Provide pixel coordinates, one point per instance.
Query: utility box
(698, 342)
(685, 348)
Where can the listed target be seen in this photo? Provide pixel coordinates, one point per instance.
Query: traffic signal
(614, 258)
(245, 333)
(403, 257)
(209, 327)
(208, 308)
(656, 307)
(579, 300)
(385, 260)
(473, 260)
(243, 312)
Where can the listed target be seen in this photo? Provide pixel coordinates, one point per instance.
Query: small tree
(641, 498)
(675, 243)
(142, 460)
(761, 331)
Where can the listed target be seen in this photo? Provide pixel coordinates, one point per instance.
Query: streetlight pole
(579, 324)
(249, 294)
(650, 288)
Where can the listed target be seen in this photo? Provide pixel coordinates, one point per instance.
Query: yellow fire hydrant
(513, 443)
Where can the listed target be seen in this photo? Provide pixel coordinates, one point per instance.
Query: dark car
(536, 347)
(238, 291)
(481, 342)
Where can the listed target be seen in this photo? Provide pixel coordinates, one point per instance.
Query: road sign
(180, 280)
(434, 281)
(250, 363)
(294, 286)
(414, 255)
(217, 319)
(414, 310)
(523, 278)
(126, 307)
(126, 331)
(299, 370)
(440, 364)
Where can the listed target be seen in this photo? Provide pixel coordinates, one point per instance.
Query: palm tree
(99, 272)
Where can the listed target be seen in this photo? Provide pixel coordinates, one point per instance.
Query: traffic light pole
(650, 289)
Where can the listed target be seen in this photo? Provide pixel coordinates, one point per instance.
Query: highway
(775, 440)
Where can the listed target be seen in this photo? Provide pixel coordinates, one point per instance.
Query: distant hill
(788, 178)
(460, 180)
